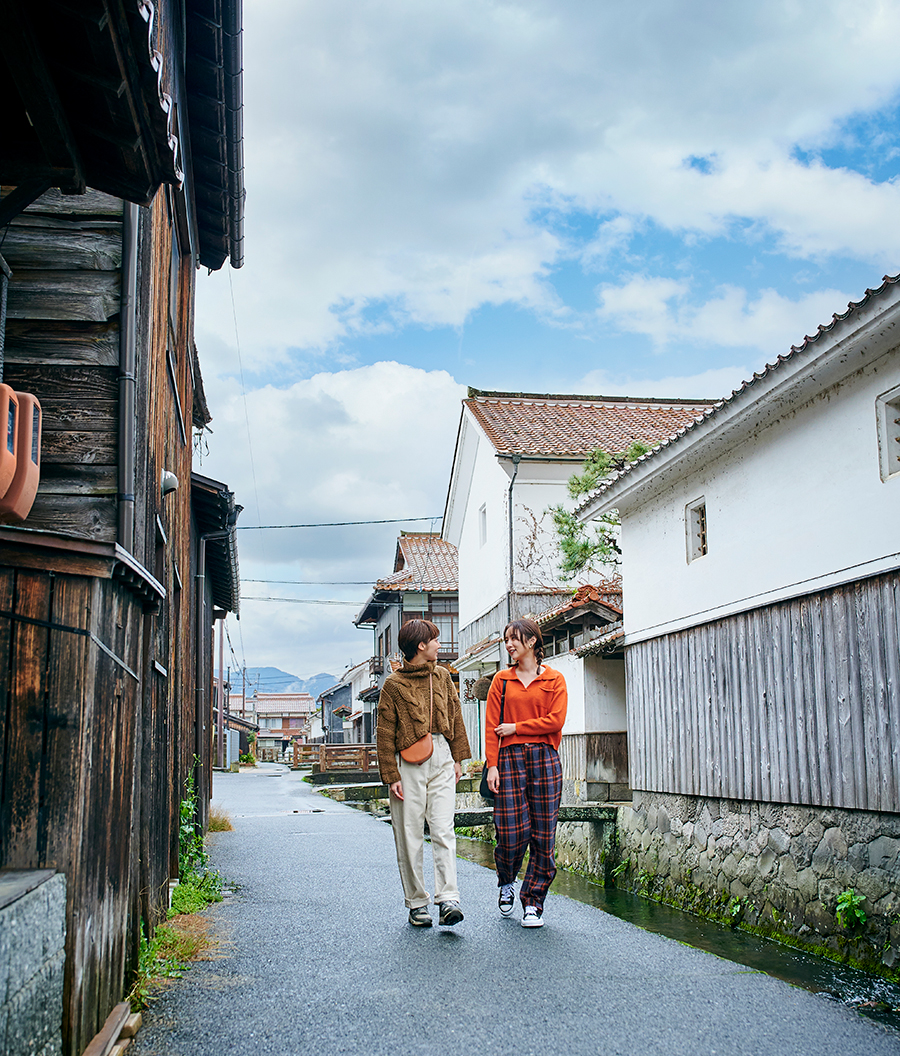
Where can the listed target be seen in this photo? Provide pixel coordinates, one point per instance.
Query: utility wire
(332, 524)
(316, 582)
(306, 601)
(237, 342)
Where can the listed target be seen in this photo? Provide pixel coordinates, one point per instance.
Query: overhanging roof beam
(40, 98)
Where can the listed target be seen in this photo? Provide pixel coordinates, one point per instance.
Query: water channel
(874, 997)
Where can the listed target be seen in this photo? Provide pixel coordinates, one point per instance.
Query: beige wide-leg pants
(429, 793)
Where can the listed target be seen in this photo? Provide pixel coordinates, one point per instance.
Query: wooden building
(121, 172)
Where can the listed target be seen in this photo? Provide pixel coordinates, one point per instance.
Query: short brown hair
(524, 629)
(414, 632)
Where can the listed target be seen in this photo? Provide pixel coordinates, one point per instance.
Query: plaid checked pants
(526, 809)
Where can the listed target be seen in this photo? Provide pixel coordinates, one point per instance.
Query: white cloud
(365, 444)
(396, 150)
(706, 385)
(660, 309)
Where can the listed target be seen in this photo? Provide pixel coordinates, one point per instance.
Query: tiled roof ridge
(668, 401)
(606, 592)
(768, 369)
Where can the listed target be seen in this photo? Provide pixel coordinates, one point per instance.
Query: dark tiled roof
(534, 424)
(424, 562)
(720, 406)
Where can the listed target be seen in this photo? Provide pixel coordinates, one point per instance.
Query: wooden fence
(306, 754)
(347, 757)
(796, 702)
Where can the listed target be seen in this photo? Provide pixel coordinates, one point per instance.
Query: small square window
(887, 413)
(695, 526)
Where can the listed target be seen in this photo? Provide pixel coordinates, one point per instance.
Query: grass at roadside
(182, 939)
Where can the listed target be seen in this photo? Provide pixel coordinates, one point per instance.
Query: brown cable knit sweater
(403, 715)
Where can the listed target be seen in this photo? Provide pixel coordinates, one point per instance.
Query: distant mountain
(274, 680)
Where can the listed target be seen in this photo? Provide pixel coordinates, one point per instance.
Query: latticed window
(695, 524)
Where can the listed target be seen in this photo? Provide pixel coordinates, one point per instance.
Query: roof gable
(867, 327)
(423, 562)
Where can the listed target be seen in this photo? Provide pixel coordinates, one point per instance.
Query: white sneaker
(507, 898)
(534, 917)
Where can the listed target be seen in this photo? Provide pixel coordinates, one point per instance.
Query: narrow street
(316, 954)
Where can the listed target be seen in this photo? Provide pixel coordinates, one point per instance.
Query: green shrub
(849, 909)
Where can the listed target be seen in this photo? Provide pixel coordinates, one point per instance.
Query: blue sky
(525, 195)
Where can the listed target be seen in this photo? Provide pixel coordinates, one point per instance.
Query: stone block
(802, 849)
(747, 868)
(652, 815)
(779, 841)
(663, 824)
(873, 883)
(730, 866)
(831, 848)
(819, 917)
(829, 889)
(858, 857)
(883, 854)
(794, 820)
(889, 906)
(787, 871)
(808, 885)
(767, 863)
(815, 830)
(738, 890)
(619, 793)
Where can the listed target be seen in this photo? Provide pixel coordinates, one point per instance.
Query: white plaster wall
(537, 555)
(572, 670)
(483, 569)
(604, 695)
(799, 505)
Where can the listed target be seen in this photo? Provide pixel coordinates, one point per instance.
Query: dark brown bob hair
(414, 632)
(523, 630)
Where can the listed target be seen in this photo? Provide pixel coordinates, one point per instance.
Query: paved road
(318, 957)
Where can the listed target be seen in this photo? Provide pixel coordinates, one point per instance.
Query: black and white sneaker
(450, 914)
(534, 917)
(420, 917)
(507, 898)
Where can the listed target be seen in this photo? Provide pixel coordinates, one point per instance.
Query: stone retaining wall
(774, 868)
(32, 962)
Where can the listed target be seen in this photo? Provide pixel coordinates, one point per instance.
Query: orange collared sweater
(538, 711)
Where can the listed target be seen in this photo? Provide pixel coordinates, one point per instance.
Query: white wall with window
(795, 496)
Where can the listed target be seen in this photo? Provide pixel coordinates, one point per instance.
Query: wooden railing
(347, 757)
(306, 754)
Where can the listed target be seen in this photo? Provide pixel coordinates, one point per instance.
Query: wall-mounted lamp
(168, 482)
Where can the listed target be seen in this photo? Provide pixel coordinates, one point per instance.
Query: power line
(306, 601)
(331, 524)
(315, 582)
(237, 342)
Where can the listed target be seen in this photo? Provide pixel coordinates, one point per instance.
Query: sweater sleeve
(556, 703)
(386, 736)
(459, 742)
(491, 721)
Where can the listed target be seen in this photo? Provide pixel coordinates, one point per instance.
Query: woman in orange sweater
(524, 772)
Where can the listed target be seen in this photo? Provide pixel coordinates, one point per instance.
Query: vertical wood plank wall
(93, 762)
(797, 702)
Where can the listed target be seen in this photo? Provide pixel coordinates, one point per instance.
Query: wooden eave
(87, 103)
(83, 106)
(49, 552)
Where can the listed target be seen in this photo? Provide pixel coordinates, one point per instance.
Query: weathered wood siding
(797, 702)
(67, 721)
(62, 344)
(95, 760)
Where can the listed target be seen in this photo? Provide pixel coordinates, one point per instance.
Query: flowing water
(868, 994)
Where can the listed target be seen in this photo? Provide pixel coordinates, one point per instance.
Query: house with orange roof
(761, 570)
(514, 455)
(423, 585)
